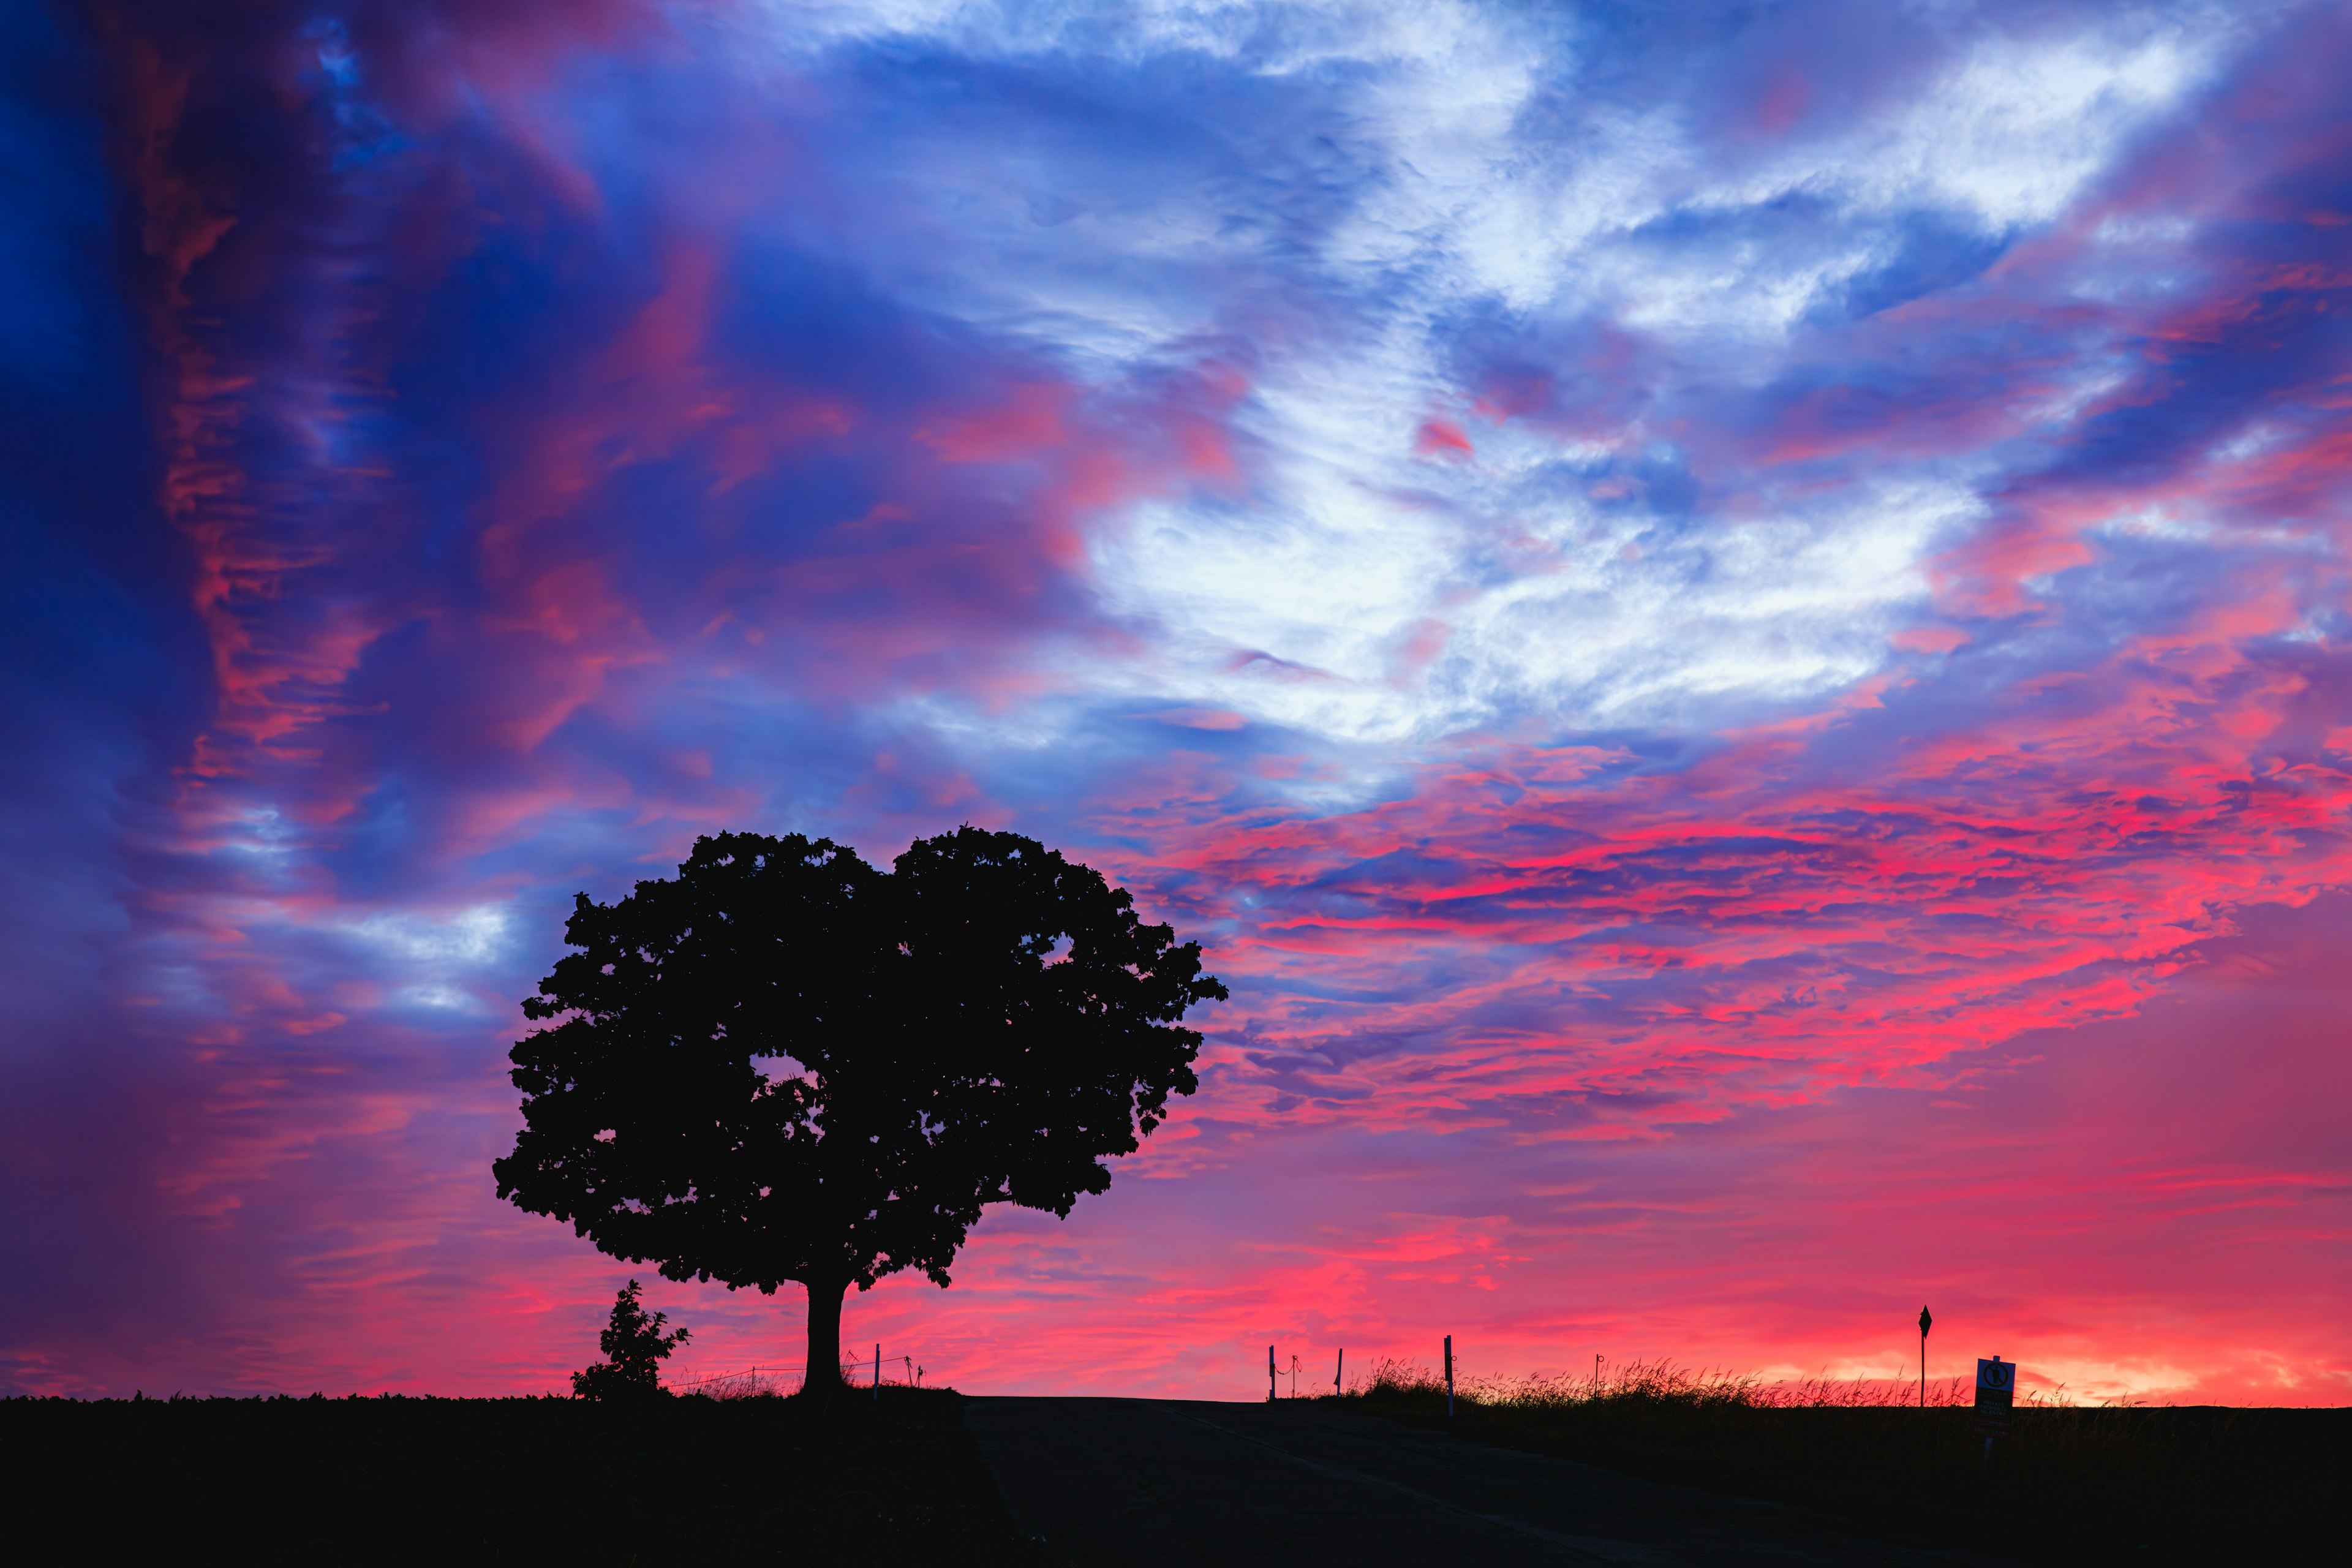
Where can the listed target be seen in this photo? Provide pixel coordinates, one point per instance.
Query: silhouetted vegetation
(784, 1065)
(634, 1347)
(2070, 1484)
(644, 1483)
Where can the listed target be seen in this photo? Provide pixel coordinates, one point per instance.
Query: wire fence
(896, 1372)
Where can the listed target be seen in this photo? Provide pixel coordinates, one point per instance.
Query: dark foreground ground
(503, 1481)
(2155, 1485)
(1136, 1483)
(1144, 1482)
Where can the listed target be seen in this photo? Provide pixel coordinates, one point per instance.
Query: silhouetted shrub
(634, 1347)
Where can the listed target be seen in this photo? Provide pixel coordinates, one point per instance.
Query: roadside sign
(1996, 1395)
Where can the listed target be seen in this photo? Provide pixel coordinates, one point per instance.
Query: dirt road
(1135, 1483)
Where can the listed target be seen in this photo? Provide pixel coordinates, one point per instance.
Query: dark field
(677, 1481)
(519, 1480)
(2197, 1484)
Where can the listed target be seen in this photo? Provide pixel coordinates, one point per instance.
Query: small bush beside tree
(634, 1347)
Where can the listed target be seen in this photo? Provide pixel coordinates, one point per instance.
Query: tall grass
(1664, 1382)
(758, 1382)
(751, 1384)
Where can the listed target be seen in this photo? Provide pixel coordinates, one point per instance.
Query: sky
(1732, 623)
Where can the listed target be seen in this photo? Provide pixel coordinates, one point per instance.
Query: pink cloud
(574, 455)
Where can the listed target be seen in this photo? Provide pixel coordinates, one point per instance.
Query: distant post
(1924, 1321)
(1337, 1368)
(1269, 1374)
(1449, 1377)
(877, 1372)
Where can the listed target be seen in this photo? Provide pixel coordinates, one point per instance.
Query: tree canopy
(785, 1064)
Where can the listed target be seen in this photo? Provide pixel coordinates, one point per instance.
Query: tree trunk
(823, 1373)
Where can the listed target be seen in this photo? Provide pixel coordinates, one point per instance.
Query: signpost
(1269, 1374)
(1449, 1377)
(1924, 1321)
(1996, 1397)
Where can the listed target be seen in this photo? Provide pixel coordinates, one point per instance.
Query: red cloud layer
(1727, 1046)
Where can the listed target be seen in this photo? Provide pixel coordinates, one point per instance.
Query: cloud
(1729, 623)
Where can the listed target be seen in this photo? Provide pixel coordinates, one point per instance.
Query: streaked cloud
(1729, 622)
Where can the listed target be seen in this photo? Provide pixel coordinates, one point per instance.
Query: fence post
(1269, 1374)
(1449, 1377)
(877, 1372)
(1336, 1367)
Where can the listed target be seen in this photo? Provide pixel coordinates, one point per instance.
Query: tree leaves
(783, 1063)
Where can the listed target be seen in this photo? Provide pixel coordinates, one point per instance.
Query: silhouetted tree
(785, 1064)
(634, 1347)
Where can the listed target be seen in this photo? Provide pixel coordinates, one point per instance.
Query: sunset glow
(1723, 619)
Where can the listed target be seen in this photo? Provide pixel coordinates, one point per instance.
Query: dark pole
(1924, 1321)
(1337, 1368)
(1449, 1377)
(1269, 1374)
